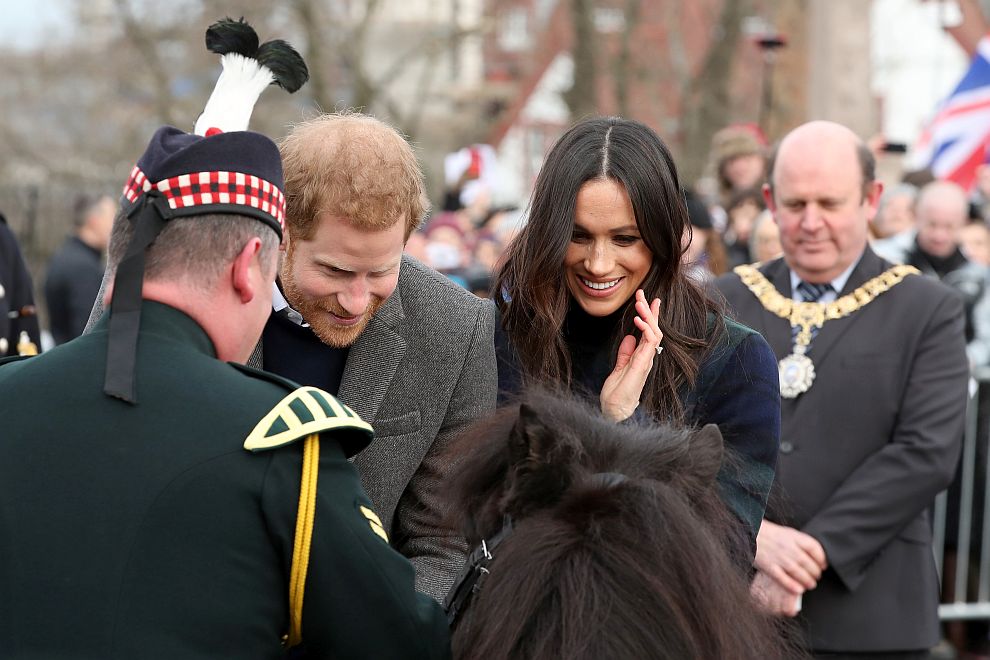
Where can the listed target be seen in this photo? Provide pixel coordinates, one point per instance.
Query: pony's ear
(530, 438)
(707, 451)
(539, 464)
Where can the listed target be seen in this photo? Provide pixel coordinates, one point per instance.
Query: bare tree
(623, 67)
(146, 43)
(582, 98)
(706, 106)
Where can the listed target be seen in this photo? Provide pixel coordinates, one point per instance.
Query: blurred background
(482, 88)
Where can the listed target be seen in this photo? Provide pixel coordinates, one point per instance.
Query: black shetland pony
(597, 540)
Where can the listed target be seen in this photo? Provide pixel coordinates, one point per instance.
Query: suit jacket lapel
(868, 267)
(373, 360)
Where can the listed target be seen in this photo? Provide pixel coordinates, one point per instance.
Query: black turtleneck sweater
(592, 345)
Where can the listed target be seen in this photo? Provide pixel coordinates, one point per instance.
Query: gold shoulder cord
(797, 371)
(304, 536)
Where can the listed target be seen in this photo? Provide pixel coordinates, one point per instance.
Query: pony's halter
(473, 575)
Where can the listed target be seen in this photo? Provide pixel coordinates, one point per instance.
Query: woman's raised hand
(623, 388)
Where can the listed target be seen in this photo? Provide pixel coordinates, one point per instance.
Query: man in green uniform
(158, 500)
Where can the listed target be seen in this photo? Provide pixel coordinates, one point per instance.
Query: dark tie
(810, 293)
(813, 292)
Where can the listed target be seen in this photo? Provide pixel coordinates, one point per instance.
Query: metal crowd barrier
(970, 584)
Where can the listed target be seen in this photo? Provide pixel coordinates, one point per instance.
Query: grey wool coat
(422, 370)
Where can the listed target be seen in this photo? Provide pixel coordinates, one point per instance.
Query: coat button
(786, 447)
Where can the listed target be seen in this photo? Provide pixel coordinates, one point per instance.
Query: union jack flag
(955, 141)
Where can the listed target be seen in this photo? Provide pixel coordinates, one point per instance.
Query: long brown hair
(618, 541)
(530, 289)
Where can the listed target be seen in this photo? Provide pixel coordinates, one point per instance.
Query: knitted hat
(221, 168)
(736, 140)
(697, 212)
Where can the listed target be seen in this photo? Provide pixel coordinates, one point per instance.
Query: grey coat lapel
(373, 360)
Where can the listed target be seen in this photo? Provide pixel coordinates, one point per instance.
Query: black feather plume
(230, 36)
(285, 63)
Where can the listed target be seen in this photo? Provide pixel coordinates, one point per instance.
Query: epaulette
(304, 411)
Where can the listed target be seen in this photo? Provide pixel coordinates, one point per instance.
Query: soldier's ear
(242, 272)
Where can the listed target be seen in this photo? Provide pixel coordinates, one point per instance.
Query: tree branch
(146, 48)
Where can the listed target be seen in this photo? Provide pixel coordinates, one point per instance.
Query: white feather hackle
(241, 83)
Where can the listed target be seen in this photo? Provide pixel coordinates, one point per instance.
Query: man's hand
(623, 388)
(792, 558)
(772, 597)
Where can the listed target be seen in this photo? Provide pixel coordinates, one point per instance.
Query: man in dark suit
(76, 270)
(873, 380)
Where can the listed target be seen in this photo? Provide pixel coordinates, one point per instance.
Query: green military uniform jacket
(149, 531)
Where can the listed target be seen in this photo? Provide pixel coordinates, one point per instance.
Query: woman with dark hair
(601, 249)
(743, 209)
(554, 498)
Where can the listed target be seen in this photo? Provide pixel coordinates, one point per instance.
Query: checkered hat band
(208, 188)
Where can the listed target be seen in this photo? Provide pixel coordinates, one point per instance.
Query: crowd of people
(304, 418)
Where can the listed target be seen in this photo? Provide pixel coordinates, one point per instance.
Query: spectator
(895, 215)
(739, 156)
(974, 241)
(874, 385)
(765, 242)
(941, 213)
(487, 252)
(446, 248)
(705, 254)
(76, 270)
(416, 246)
(980, 196)
(744, 208)
(19, 332)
